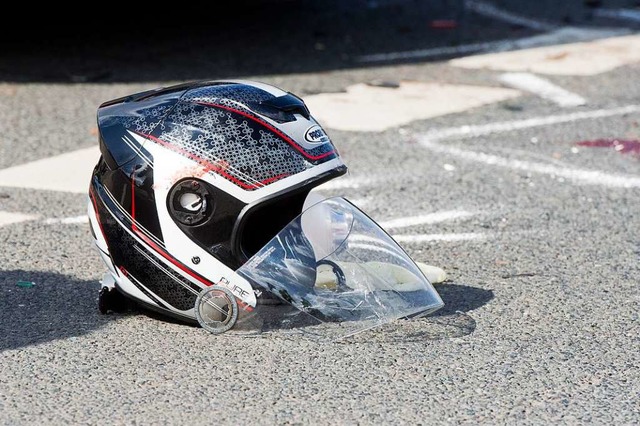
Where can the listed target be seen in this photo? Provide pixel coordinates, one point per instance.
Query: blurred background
(262, 37)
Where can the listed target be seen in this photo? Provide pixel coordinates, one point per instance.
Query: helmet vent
(190, 202)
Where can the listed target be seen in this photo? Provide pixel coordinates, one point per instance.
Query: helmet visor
(334, 272)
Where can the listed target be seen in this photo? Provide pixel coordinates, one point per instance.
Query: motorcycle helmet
(201, 208)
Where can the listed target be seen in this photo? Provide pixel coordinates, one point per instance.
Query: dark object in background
(593, 3)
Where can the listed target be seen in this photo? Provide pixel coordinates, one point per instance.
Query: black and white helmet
(193, 181)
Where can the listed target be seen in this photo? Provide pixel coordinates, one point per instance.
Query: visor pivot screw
(195, 260)
(195, 184)
(189, 219)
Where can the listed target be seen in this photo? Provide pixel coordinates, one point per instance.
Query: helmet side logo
(316, 135)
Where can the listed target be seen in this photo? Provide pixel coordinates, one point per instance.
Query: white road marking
(565, 35)
(372, 109)
(429, 53)
(624, 14)
(543, 88)
(561, 35)
(424, 238)
(586, 58)
(8, 218)
(489, 10)
(471, 131)
(581, 176)
(425, 219)
(69, 172)
(67, 220)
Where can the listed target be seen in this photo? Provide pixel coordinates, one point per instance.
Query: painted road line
(561, 35)
(491, 11)
(435, 52)
(8, 218)
(75, 220)
(541, 87)
(470, 131)
(586, 58)
(365, 108)
(624, 14)
(565, 35)
(425, 238)
(426, 219)
(69, 172)
(580, 176)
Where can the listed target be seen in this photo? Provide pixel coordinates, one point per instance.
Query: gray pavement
(541, 318)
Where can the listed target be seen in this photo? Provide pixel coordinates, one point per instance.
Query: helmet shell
(196, 178)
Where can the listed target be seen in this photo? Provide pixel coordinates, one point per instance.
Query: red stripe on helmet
(155, 247)
(273, 129)
(211, 167)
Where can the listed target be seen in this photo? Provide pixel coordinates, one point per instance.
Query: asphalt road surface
(537, 232)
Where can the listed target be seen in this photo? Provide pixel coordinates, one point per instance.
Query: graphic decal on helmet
(132, 259)
(147, 119)
(133, 256)
(323, 153)
(316, 135)
(126, 218)
(141, 287)
(230, 93)
(220, 167)
(137, 148)
(234, 144)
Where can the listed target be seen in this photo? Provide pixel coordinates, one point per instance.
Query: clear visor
(331, 273)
